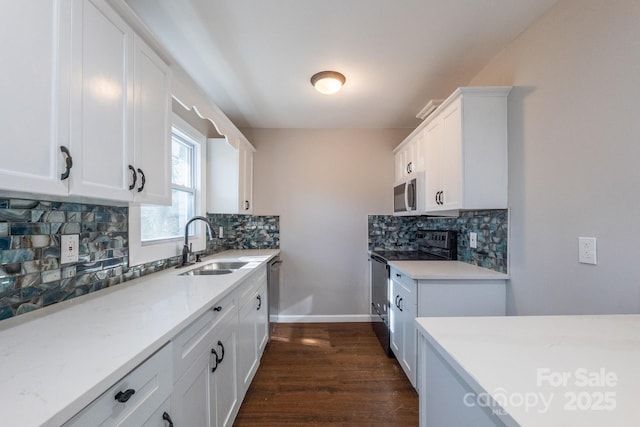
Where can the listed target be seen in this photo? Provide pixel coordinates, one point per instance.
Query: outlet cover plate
(473, 240)
(587, 250)
(69, 248)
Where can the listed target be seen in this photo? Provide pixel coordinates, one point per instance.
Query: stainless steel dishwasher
(273, 285)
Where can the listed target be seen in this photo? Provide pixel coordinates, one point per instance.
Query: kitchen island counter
(530, 370)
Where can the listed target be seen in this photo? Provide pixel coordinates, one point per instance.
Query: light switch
(473, 240)
(69, 248)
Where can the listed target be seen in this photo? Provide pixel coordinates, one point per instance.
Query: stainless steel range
(434, 245)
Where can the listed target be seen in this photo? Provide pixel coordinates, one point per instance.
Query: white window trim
(141, 253)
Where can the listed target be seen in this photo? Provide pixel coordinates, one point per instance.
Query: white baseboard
(338, 318)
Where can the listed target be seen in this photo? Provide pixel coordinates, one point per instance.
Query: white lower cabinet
(205, 393)
(200, 378)
(403, 304)
(223, 387)
(253, 328)
(411, 298)
(136, 399)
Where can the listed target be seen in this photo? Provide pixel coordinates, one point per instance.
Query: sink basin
(215, 268)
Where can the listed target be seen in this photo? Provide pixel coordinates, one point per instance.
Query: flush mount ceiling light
(328, 82)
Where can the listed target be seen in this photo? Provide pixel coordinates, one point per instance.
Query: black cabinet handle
(143, 180)
(397, 296)
(213, 368)
(400, 304)
(398, 275)
(135, 177)
(217, 308)
(68, 162)
(167, 418)
(246, 205)
(222, 349)
(124, 396)
(259, 302)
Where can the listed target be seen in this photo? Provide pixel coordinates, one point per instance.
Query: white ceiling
(255, 57)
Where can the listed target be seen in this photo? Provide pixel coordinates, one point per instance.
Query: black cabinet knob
(217, 308)
(124, 396)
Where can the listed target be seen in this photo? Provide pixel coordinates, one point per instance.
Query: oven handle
(379, 259)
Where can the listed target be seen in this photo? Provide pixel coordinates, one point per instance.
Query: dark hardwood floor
(328, 374)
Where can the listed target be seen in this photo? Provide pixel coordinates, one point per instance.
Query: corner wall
(574, 150)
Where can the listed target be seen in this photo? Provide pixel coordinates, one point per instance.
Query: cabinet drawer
(196, 338)
(251, 284)
(151, 383)
(402, 278)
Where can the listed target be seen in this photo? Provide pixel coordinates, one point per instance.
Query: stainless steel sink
(215, 268)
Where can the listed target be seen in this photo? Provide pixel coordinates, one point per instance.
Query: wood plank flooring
(328, 374)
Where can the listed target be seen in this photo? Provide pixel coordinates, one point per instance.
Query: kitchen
(571, 160)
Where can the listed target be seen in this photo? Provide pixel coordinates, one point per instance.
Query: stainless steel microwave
(408, 195)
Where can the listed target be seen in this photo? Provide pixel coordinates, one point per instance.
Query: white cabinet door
(204, 363)
(101, 102)
(191, 398)
(262, 319)
(253, 328)
(34, 103)
(434, 134)
(395, 320)
(451, 161)
(402, 318)
(225, 400)
(152, 124)
(229, 177)
(246, 179)
(410, 159)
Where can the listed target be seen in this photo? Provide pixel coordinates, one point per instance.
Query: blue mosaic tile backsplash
(31, 276)
(388, 232)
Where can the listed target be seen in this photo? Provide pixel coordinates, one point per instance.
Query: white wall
(574, 135)
(323, 184)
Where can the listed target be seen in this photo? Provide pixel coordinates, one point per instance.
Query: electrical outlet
(220, 232)
(473, 240)
(69, 248)
(587, 250)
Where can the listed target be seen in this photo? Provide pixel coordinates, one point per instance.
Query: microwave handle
(406, 196)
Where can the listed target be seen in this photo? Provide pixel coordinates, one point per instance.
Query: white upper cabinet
(152, 126)
(229, 177)
(464, 151)
(96, 91)
(409, 160)
(34, 102)
(101, 103)
(120, 110)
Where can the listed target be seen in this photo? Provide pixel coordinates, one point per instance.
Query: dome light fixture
(328, 82)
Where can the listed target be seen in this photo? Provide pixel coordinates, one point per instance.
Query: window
(167, 222)
(157, 232)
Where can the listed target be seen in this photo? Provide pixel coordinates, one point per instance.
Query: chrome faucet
(186, 249)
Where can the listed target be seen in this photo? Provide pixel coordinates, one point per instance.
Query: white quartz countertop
(547, 370)
(445, 270)
(55, 361)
